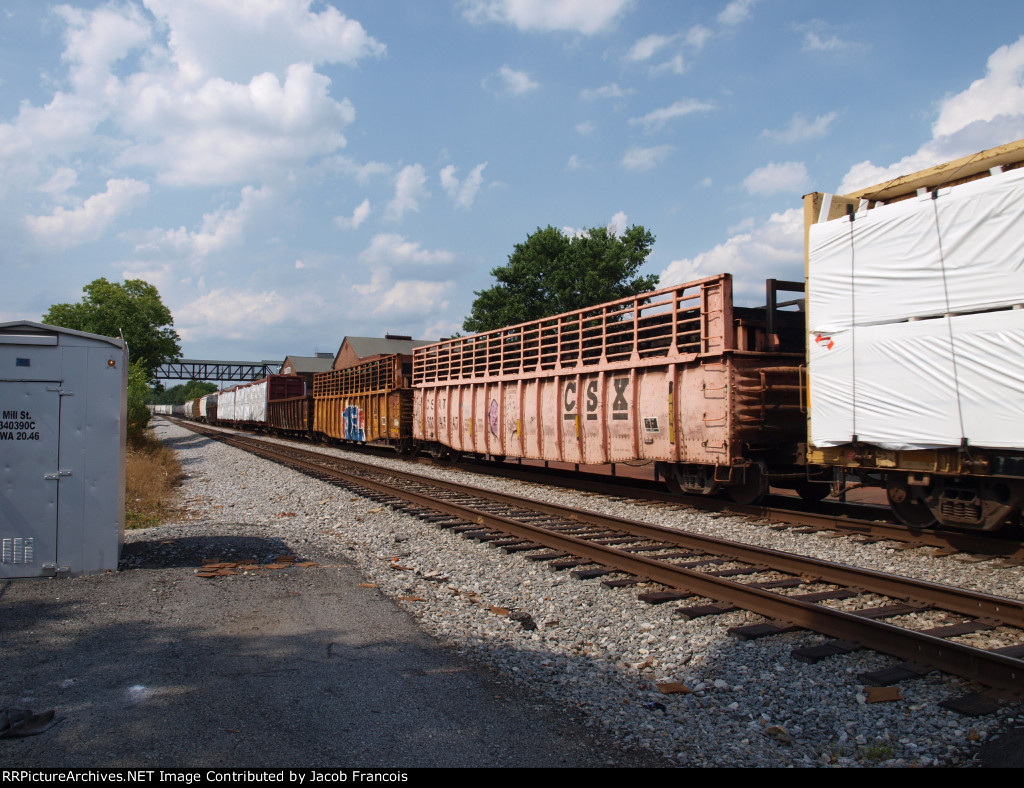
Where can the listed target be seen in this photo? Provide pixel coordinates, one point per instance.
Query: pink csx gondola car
(680, 377)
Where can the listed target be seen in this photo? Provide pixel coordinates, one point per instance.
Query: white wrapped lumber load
(914, 341)
(921, 385)
(251, 402)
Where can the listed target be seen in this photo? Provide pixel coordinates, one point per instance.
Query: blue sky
(288, 172)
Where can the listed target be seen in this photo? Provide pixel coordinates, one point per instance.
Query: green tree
(133, 309)
(551, 273)
(182, 393)
(138, 391)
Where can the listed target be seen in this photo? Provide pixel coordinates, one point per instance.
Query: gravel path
(598, 655)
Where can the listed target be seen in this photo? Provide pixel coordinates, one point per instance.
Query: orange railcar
(367, 403)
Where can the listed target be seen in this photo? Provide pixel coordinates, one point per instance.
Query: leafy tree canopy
(134, 308)
(180, 394)
(553, 273)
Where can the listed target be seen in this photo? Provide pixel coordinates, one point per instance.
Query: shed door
(29, 442)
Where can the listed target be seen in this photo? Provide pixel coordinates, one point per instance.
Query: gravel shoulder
(303, 666)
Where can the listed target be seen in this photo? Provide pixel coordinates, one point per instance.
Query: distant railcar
(366, 403)
(247, 404)
(293, 416)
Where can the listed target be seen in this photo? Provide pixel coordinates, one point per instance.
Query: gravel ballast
(590, 657)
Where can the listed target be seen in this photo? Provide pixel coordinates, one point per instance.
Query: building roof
(306, 364)
(375, 346)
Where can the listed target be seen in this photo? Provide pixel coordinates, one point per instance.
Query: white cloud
(361, 172)
(801, 129)
(612, 91)
(774, 249)
(586, 127)
(464, 192)
(577, 16)
(410, 188)
(220, 229)
(95, 40)
(737, 11)
(378, 281)
(820, 38)
(173, 111)
(773, 178)
(66, 228)
(986, 114)
(408, 299)
(225, 132)
(60, 183)
(358, 216)
(231, 314)
(676, 65)
(697, 36)
(512, 82)
(393, 249)
(646, 47)
(234, 40)
(575, 163)
(656, 119)
(999, 92)
(57, 130)
(641, 159)
(618, 224)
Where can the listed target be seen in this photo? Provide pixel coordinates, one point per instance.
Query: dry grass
(152, 474)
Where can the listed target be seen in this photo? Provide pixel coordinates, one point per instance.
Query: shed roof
(28, 328)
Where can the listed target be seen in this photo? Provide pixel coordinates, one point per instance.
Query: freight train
(901, 367)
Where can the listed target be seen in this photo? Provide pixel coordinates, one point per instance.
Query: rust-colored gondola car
(367, 403)
(680, 377)
(293, 415)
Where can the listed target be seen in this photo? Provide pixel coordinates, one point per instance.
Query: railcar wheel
(910, 510)
(688, 480)
(811, 491)
(753, 487)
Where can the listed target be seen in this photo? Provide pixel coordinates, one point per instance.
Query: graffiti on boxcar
(355, 426)
(492, 418)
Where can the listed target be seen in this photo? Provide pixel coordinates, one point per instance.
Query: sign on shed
(63, 399)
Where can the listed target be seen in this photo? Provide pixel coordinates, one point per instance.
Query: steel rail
(922, 592)
(993, 669)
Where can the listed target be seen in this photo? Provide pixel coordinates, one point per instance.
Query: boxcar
(208, 408)
(248, 403)
(367, 403)
(680, 377)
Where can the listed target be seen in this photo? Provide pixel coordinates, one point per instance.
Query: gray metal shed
(63, 403)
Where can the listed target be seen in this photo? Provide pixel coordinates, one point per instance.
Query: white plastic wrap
(251, 402)
(226, 405)
(962, 252)
(896, 386)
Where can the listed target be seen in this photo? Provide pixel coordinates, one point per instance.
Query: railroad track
(856, 607)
